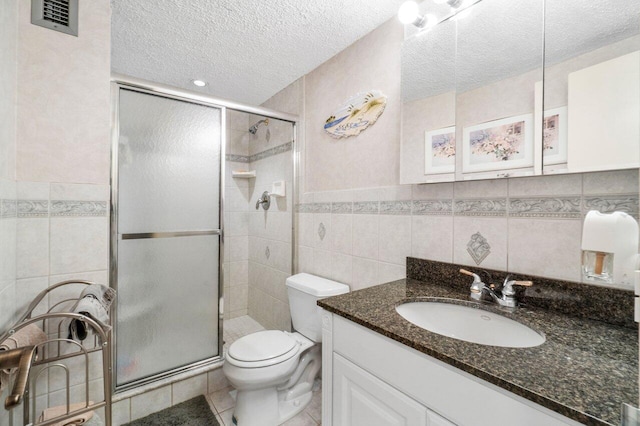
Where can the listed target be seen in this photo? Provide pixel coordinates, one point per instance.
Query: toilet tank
(304, 290)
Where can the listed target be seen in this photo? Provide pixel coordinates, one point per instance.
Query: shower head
(254, 129)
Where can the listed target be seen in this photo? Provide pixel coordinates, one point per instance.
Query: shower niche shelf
(243, 174)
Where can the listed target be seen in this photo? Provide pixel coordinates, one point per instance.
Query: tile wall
(54, 164)
(270, 235)
(270, 244)
(236, 244)
(62, 233)
(355, 224)
(258, 242)
(527, 225)
(61, 208)
(8, 111)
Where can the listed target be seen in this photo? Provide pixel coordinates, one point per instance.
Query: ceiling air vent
(58, 15)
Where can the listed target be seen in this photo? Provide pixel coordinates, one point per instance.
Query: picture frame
(554, 136)
(498, 145)
(440, 151)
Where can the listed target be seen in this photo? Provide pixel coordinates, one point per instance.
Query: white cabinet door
(436, 420)
(361, 399)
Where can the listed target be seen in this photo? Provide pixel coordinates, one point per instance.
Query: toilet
(273, 371)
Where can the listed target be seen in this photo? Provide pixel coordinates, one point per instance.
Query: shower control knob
(264, 200)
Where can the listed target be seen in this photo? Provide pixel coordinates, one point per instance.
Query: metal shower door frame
(120, 82)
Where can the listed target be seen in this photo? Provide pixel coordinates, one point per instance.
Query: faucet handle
(508, 289)
(476, 277)
(477, 286)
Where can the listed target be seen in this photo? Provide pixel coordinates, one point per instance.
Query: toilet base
(267, 407)
(272, 406)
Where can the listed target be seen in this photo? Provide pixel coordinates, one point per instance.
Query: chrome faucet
(506, 296)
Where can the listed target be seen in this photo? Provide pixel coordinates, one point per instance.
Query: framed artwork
(440, 151)
(554, 136)
(498, 145)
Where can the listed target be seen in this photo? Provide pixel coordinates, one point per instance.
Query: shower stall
(169, 226)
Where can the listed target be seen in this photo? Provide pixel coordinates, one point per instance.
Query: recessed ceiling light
(199, 83)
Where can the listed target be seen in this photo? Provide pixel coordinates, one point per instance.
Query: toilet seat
(263, 349)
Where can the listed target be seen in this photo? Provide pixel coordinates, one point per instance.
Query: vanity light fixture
(453, 3)
(409, 13)
(199, 83)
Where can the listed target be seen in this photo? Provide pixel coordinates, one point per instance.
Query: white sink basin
(470, 324)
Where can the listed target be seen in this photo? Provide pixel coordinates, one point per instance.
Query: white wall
(373, 158)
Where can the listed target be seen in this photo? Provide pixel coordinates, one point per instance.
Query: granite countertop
(584, 370)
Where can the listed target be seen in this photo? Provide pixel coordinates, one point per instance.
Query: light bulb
(408, 12)
(199, 83)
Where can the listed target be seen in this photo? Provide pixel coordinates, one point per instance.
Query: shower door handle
(171, 234)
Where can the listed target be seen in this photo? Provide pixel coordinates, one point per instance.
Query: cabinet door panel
(361, 399)
(436, 420)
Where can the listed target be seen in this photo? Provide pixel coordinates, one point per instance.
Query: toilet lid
(262, 346)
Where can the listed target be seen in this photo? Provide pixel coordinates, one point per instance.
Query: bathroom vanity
(380, 369)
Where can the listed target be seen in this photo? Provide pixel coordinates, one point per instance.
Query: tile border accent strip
(562, 207)
(395, 207)
(8, 208)
(433, 207)
(271, 152)
(237, 158)
(65, 208)
(627, 203)
(342, 208)
(33, 208)
(29, 209)
(260, 155)
(481, 207)
(321, 207)
(366, 207)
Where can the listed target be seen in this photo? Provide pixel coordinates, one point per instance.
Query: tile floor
(221, 402)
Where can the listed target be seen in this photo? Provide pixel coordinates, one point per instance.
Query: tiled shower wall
(270, 245)
(527, 225)
(258, 242)
(270, 231)
(236, 244)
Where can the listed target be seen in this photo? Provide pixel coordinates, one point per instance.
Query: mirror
(499, 60)
(470, 82)
(591, 85)
(428, 96)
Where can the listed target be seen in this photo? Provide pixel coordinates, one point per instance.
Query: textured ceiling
(246, 50)
(502, 38)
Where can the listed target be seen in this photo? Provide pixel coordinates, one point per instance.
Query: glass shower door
(167, 243)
